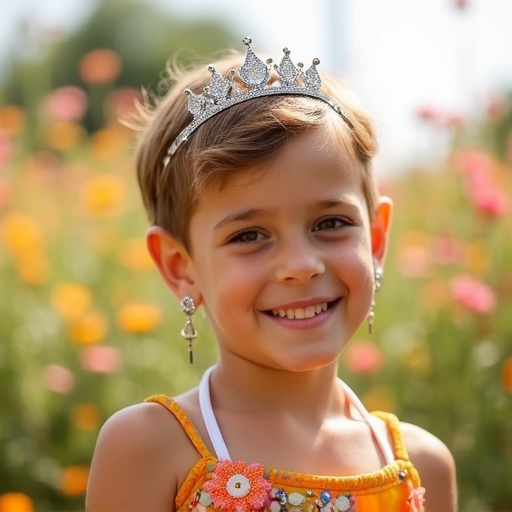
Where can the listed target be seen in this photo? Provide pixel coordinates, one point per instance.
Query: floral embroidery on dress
(238, 487)
(416, 499)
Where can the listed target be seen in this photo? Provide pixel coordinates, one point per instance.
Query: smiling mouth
(302, 313)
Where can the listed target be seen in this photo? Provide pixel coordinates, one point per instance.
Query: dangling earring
(189, 331)
(378, 285)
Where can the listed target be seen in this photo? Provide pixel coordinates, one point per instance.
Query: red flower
(238, 487)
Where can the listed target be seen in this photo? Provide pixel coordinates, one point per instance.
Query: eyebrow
(250, 213)
(253, 213)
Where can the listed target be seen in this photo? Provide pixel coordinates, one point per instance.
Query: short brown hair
(238, 138)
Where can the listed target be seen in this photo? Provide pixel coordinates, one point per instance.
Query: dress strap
(182, 419)
(379, 433)
(210, 421)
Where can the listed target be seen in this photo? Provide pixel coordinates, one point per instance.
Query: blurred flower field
(87, 327)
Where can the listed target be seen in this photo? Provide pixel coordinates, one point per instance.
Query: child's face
(282, 258)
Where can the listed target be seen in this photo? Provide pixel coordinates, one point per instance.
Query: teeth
(301, 313)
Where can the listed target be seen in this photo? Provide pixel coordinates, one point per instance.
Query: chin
(309, 362)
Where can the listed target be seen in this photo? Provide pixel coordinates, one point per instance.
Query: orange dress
(222, 485)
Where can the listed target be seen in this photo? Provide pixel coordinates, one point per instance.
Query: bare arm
(435, 466)
(132, 468)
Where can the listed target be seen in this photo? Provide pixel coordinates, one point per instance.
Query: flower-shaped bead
(238, 487)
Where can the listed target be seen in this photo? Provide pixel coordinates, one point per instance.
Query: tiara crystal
(224, 91)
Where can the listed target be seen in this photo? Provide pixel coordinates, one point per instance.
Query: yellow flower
(88, 329)
(16, 502)
(86, 416)
(73, 480)
(137, 318)
(104, 195)
(135, 256)
(64, 135)
(71, 300)
(110, 141)
(21, 234)
(478, 258)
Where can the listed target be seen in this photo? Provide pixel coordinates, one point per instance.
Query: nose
(298, 260)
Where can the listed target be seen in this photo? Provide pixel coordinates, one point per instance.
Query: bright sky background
(398, 55)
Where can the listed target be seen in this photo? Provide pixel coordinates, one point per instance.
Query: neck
(252, 388)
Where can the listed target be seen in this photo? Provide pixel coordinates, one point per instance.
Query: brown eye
(245, 237)
(329, 223)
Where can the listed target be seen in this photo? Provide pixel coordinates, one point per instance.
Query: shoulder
(435, 465)
(140, 458)
(146, 428)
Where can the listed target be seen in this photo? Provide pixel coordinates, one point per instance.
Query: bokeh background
(86, 326)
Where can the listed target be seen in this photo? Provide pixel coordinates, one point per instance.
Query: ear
(173, 262)
(380, 227)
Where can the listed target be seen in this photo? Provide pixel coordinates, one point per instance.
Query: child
(265, 212)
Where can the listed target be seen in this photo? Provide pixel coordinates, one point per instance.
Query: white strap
(205, 404)
(221, 450)
(378, 428)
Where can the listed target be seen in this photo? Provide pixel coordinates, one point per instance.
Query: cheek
(227, 284)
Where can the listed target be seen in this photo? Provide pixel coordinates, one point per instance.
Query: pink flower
(65, 104)
(416, 499)
(490, 200)
(473, 162)
(439, 117)
(473, 294)
(238, 487)
(6, 148)
(460, 4)
(101, 359)
(58, 379)
(364, 357)
(5, 192)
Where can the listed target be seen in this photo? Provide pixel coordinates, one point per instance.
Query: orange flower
(100, 66)
(73, 480)
(137, 318)
(71, 300)
(21, 234)
(90, 328)
(16, 502)
(12, 119)
(33, 269)
(86, 416)
(237, 487)
(104, 195)
(507, 374)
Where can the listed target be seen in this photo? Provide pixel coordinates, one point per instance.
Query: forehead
(309, 167)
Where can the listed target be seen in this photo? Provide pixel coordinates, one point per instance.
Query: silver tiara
(223, 91)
